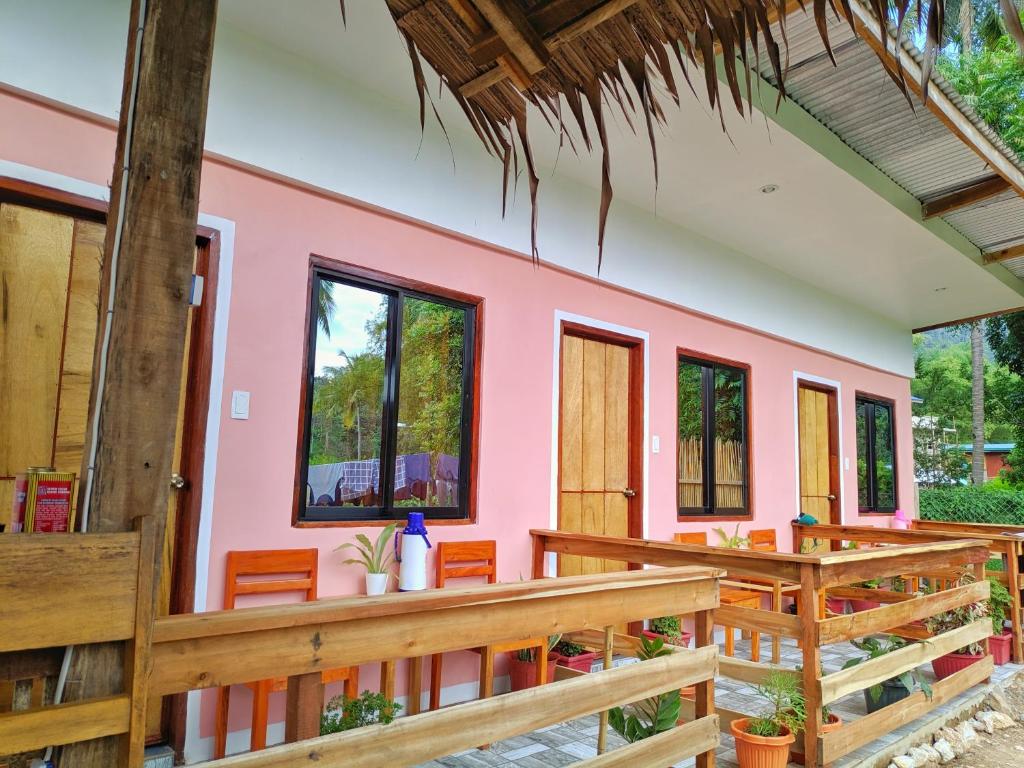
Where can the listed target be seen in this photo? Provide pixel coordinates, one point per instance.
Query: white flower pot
(376, 583)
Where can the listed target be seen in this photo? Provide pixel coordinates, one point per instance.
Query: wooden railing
(85, 588)
(816, 574)
(1005, 543)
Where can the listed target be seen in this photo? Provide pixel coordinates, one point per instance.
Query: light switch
(239, 404)
(655, 444)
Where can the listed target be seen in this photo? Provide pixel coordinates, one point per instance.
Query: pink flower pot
(999, 647)
(685, 642)
(583, 662)
(836, 605)
(951, 663)
(863, 605)
(523, 674)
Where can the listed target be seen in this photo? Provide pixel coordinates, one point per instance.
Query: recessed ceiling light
(767, 189)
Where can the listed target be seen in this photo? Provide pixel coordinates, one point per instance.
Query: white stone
(996, 700)
(945, 750)
(968, 734)
(919, 756)
(905, 761)
(931, 752)
(994, 721)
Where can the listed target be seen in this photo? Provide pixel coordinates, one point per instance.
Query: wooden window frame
(391, 286)
(873, 401)
(710, 511)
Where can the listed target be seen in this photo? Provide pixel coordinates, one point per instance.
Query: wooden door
(599, 469)
(819, 452)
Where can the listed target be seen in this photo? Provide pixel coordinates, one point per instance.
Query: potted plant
(573, 656)
(522, 665)
(343, 714)
(763, 741)
(830, 721)
(860, 604)
(732, 542)
(377, 558)
(895, 688)
(652, 715)
(669, 629)
(944, 666)
(999, 602)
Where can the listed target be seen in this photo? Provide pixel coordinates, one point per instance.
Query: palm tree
(977, 404)
(325, 306)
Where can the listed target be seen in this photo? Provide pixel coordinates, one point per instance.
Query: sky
(353, 307)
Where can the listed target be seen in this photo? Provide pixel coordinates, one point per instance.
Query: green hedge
(972, 504)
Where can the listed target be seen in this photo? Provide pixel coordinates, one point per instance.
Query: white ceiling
(822, 225)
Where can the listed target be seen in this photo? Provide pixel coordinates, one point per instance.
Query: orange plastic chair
(763, 540)
(462, 559)
(247, 572)
(744, 598)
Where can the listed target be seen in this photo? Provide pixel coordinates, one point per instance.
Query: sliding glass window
(389, 400)
(713, 458)
(876, 456)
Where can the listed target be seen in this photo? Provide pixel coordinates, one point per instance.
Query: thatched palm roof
(496, 56)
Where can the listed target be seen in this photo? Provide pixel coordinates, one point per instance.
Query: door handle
(831, 497)
(177, 481)
(629, 493)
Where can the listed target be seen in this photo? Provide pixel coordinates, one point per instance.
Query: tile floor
(565, 743)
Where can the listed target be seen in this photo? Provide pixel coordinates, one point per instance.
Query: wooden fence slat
(874, 671)
(416, 739)
(751, 672)
(63, 724)
(877, 620)
(757, 620)
(94, 587)
(879, 563)
(866, 729)
(217, 661)
(667, 747)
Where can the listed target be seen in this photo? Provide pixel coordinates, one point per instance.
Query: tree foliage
(1005, 335)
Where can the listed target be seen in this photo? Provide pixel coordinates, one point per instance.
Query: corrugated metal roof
(859, 103)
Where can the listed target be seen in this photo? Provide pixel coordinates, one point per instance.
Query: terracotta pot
(760, 751)
(685, 642)
(951, 663)
(523, 674)
(796, 754)
(999, 647)
(583, 662)
(863, 605)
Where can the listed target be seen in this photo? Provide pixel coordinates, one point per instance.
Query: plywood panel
(79, 345)
(6, 499)
(35, 255)
(570, 510)
(616, 517)
(593, 415)
(593, 522)
(616, 409)
(821, 452)
(572, 413)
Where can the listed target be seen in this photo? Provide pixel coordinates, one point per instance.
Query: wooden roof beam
(546, 19)
(1013, 252)
(509, 21)
(964, 197)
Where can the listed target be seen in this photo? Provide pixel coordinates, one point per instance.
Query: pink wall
(278, 226)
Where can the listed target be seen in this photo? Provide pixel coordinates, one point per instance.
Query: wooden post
(305, 700)
(538, 556)
(1013, 551)
(602, 732)
(979, 575)
(704, 691)
(387, 679)
(156, 184)
(809, 594)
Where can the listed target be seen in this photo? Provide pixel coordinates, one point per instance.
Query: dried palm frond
(596, 53)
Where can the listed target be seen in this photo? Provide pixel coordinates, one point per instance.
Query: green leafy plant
(869, 584)
(343, 714)
(569, 649)
(374, 557)
(787, 708)
(874, 648)
(530, 654)
(670, 627)
(735, 541)
(960, 617)
(652, 715)
(999, 603)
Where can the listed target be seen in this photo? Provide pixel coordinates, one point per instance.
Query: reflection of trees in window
(876, 458)
(390, 397)
(713, 473)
